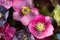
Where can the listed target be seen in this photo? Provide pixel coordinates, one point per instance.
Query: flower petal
(34, 11)
(18, 4)
(40, 18)
(5, 12)
(6, 3)
(30, 3)
(10, 31)
(47, 38)
(48, 19)
(26, 19)
(16, 16)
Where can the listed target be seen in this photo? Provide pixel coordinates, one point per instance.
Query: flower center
(24, 36)
(40, 26)
(1, 15)
(26, 10)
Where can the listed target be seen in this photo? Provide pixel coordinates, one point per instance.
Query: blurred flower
(7, 32)
(57, 14)
(58, 36)
(41, 26)
(22, 35)
(24, 11)
(3, 15)
(6, 3)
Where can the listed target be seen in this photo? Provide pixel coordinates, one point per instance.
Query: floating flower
(24, 11)
(6, 3)
(22, 35)
(3, 15)
(41, 27)
(7, 32)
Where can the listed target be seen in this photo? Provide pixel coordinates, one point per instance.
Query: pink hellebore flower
(24, 11)
(6, 3)
(7, 32)
(41, 27)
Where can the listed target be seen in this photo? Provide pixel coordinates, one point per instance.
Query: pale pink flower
(24, 11)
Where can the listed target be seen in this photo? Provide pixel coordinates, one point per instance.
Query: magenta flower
(7, 32)
(24, 11)
(6, 3)
(41, 26)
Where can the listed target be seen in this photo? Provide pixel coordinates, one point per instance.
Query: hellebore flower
(22, 35)
(6, 3)
(41, 27)
(7, 32)
(57, 14)
(24, 11)
(3, 15)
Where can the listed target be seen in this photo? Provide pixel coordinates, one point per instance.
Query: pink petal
(32, 29)
(48, 19)
(18, 4)
(26, 19)
(16, 16)
(35, 11)
(49, 30)
(30, 3)
(38, 18)
(47, 38)
(10, 31)
(6, 3)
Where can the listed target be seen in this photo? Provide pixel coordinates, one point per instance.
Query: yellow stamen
(25, 10)
(40, 26)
